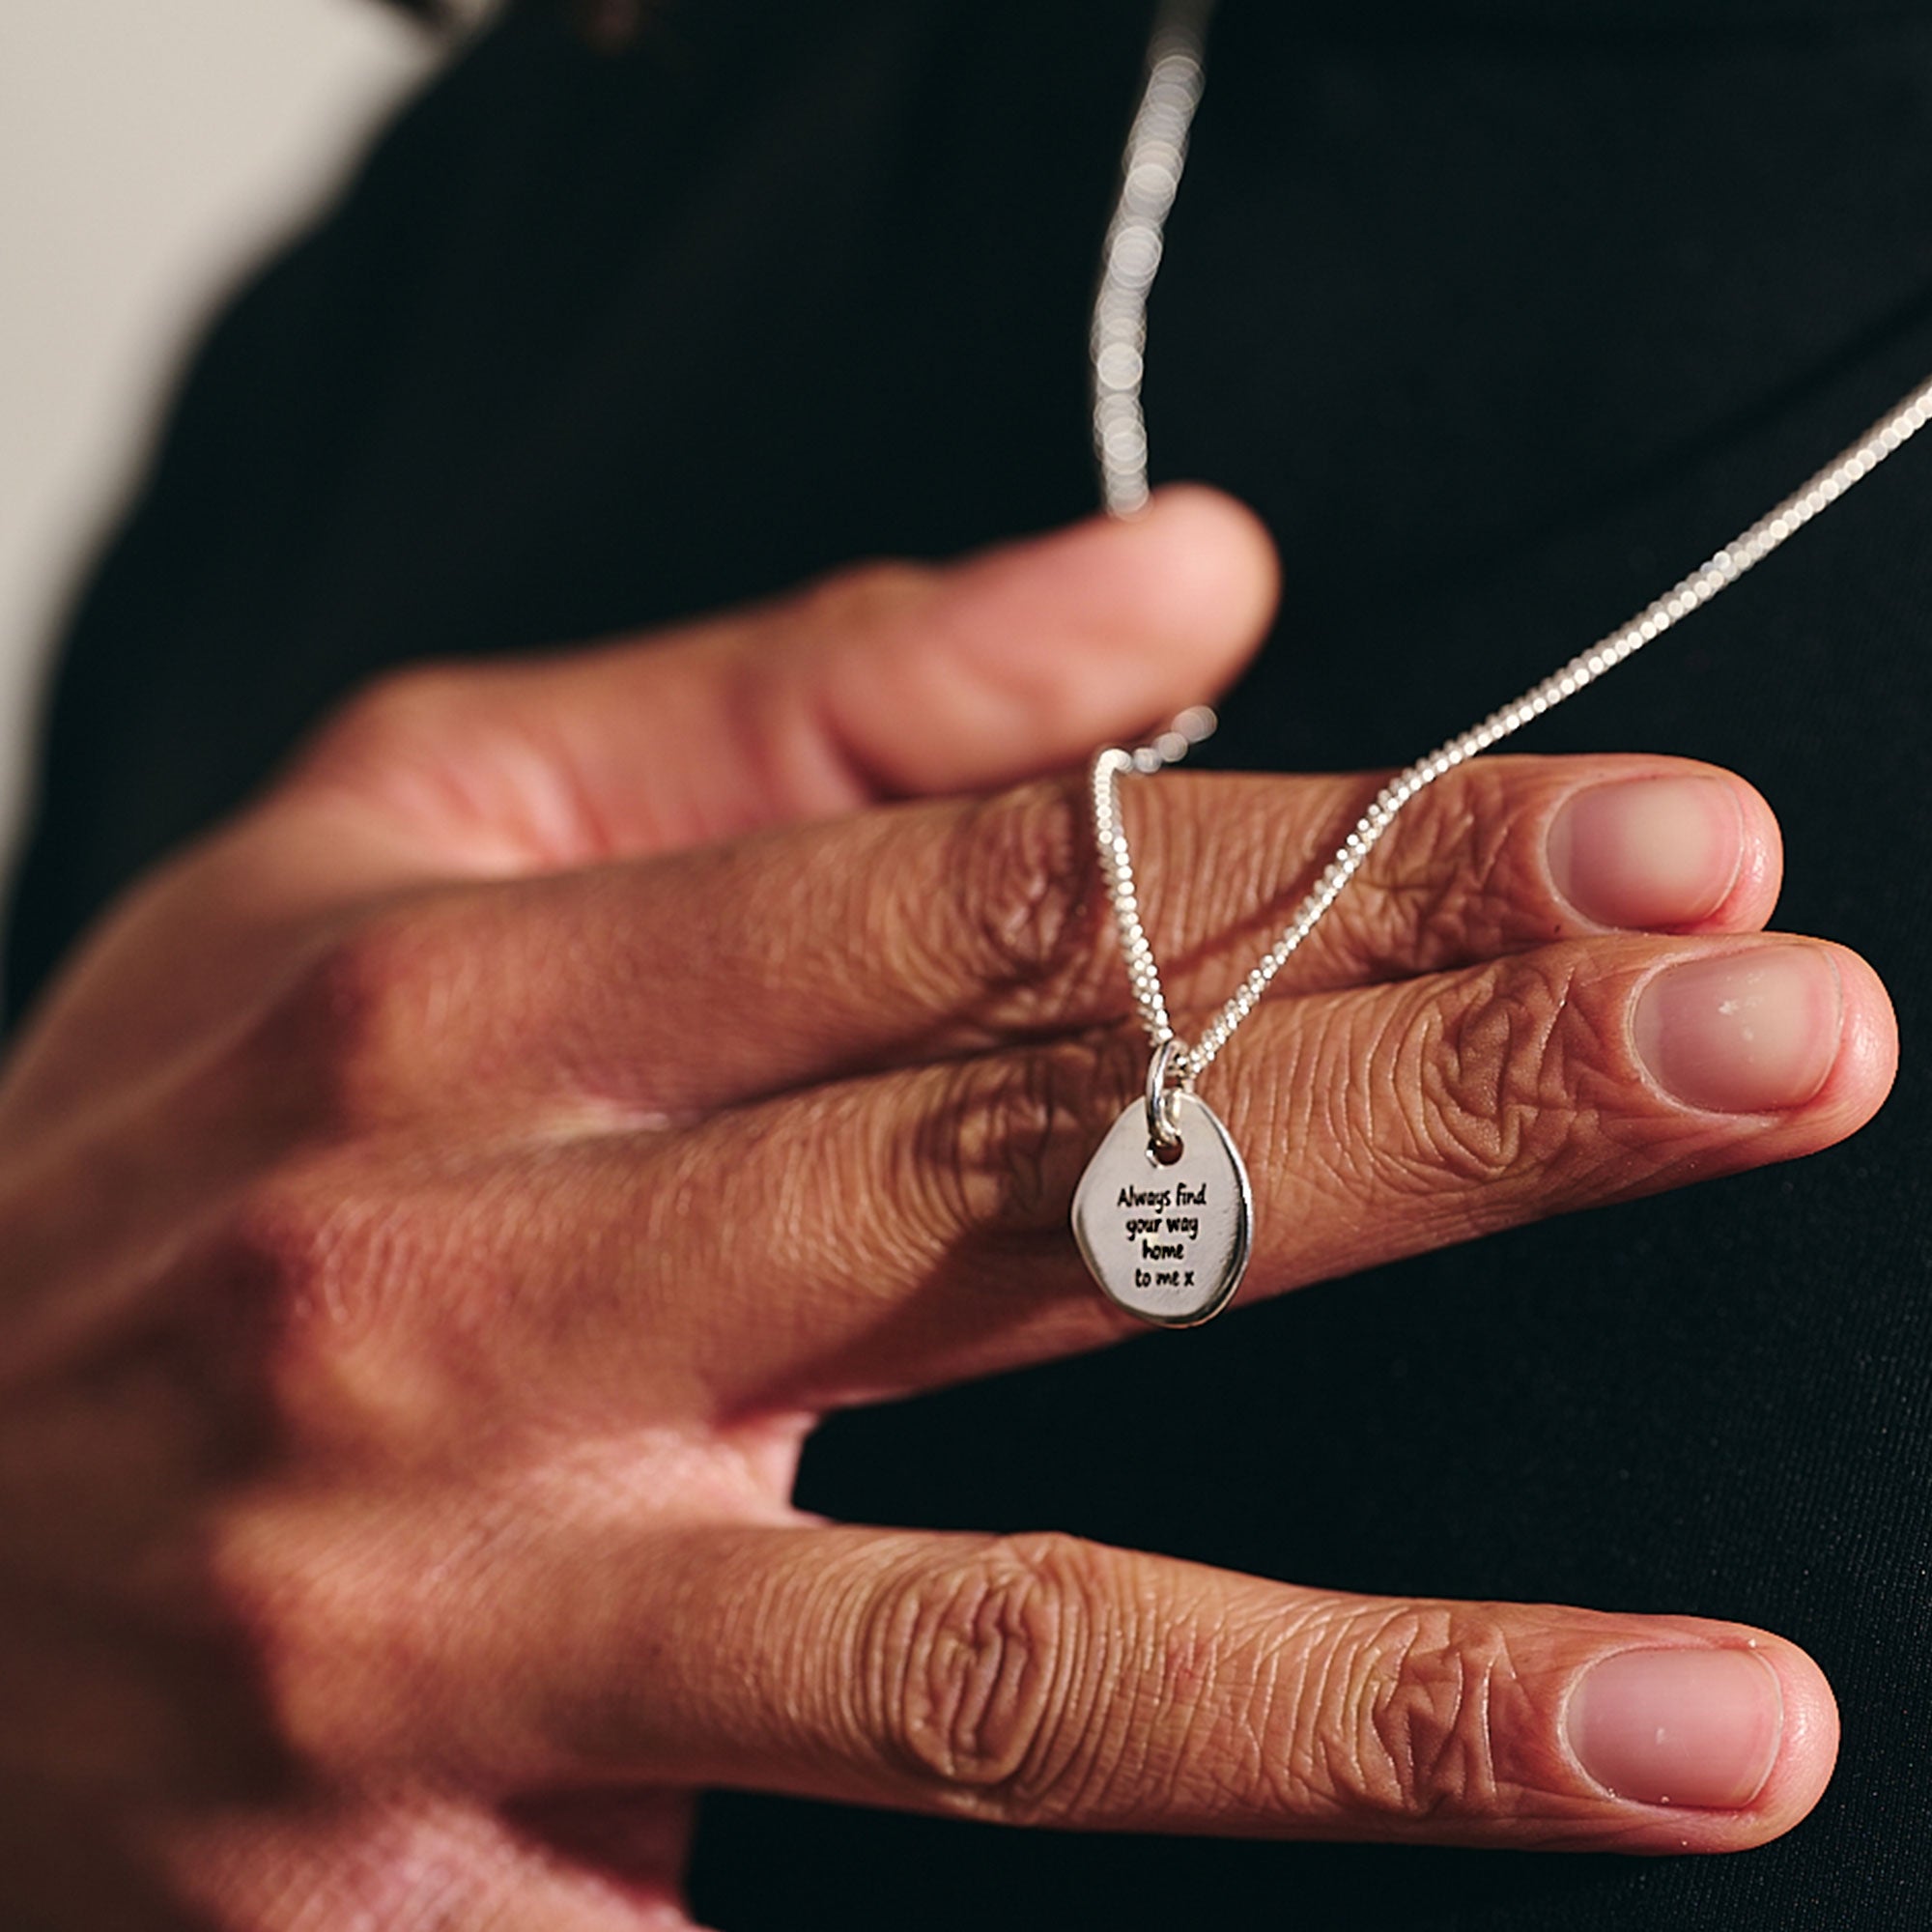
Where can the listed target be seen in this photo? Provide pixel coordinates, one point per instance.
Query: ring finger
(1043, 1680)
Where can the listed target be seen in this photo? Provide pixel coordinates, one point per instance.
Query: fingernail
(1748, 1034)
(1648, 852)
(1697, 1727)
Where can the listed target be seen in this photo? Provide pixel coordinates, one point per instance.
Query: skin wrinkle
(1282, 1100)
(1275, 1706)
(1024, 1131)
(1034, 924)
(1440, 894)
(879, 1667)
(1469, 925)
(1489, 1793)
(1378, 930)
(1478, 1068)
(1046, 1620)
(940, 1624)
(1374, 1751)
(1594, 1110)
(1276, 889)
(1384, 1080)
(1004, 1680)
(1470, 1084)
(1408, 1710)
(991, 1138)
(1434, 1721)
(718, 1205)
(1508, 1142)
(810, 1706)
(1354, 1750)
(1266, 1721)
(932, 1170)
(1543, 1121)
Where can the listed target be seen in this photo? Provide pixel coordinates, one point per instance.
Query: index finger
(674, 986)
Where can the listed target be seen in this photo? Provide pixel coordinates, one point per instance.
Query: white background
(149, 150)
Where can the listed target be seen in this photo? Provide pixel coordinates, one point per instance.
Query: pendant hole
(1167, 1156)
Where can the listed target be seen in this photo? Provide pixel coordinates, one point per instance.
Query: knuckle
(988, 1675)
(859, 598)
(319, 1615)
(1004, 1146)
(284, 1257)
(260, 1580)
(1487, 1074)
(304, 1275)
(1459, 884)
(1469, 874)
(1023, 884)
(394, 714)
(1401, 1727)
(339, 1038)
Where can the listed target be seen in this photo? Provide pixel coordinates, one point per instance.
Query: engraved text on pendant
(1168, 1244)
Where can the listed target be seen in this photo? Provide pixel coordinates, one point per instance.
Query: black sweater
(1503, 314)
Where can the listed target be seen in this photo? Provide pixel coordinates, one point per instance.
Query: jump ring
(1163, 1129)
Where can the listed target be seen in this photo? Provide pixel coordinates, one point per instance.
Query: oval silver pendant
(1168, 1241)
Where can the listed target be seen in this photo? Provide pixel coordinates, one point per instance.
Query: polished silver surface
(1167, 1231)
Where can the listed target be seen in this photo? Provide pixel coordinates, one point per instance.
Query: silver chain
(1150, 171)
(1155, 159)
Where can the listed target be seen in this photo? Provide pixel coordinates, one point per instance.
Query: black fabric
(1503, 314)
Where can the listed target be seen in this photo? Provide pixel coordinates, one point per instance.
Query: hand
(440, 1203)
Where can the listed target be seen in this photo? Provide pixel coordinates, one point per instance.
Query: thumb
(880, 682)
(883, 681)
(1019, 660)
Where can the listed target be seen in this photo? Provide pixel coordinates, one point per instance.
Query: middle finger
(908, 1228)
(912, 1230)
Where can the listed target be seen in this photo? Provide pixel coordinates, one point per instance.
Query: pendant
(1167, 1239)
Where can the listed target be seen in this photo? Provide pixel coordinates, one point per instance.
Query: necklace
(1164, 1214)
